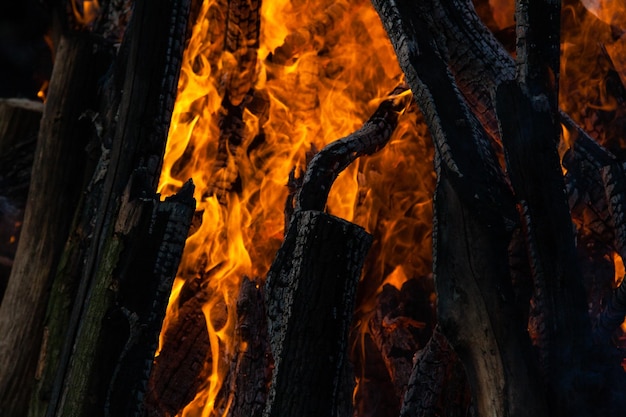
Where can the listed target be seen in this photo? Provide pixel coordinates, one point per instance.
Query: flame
(321, 71)
(85, 11)
(593, 65)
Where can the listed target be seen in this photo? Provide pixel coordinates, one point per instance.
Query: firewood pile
(520, 314)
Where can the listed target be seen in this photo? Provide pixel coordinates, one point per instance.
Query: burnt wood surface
(183, 363)
(310, 292)
(327, 164)
(437, 385)
(250, 371)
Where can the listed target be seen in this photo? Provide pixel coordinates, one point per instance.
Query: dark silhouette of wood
(250, 372)
(56, 184)
(19, 127)
(150, 63)
(310, 292)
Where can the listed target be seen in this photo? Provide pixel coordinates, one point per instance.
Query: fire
(321, 70)
(593, 58)
(85, 11)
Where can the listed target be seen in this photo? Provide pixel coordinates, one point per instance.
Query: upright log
(57, 176)
(474, 218)
(311, 289)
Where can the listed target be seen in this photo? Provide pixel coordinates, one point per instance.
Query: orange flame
(85, 11)
(322, 69)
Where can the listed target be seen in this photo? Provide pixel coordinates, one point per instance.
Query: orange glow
(503, 12)
(85, 11)
(593, 61)
(619, 269)
(321, 71)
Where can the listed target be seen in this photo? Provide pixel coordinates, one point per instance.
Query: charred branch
(326, 165)
(437, 370)
(183, 363)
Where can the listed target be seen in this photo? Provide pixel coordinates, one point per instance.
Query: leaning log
(125, 183)
(474, 218)
(19, 127)
(57, 176)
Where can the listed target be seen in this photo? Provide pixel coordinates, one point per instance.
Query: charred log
(121, 195)
(310, 292)
(250, 371)
(437, 385)
(401, 326)
(183, 363)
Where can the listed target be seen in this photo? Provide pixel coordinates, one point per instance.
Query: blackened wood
(150, 63)
(489, 336)
(474, 216)
(528, 132)
(242, 22)
(476, 59)
(325, 166)
(56, 184)
(147, 278)
(430, 376)
(538, 28)
(184, 362)
(250, 371)
(310, 292)
(614, 185)
(400, 328)
(68, 287)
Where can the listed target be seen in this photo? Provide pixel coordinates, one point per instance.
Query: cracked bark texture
(310, 293)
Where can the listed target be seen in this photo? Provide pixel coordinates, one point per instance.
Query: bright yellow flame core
(335, 66)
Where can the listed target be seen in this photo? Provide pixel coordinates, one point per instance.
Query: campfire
(342, 208)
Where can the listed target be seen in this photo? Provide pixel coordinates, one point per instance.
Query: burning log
(250, 371)
(311, 286)
(180, 367)
(310, 291)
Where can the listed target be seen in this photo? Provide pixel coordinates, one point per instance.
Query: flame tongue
(246, 115)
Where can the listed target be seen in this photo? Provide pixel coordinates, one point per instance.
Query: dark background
(25, 57)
